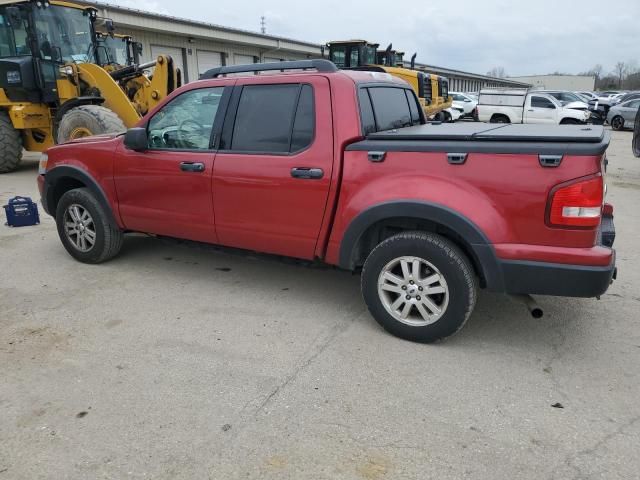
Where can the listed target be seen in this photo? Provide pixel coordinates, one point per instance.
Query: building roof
(184, 22)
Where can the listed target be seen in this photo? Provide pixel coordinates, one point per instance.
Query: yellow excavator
(52, 87)
(432, 90)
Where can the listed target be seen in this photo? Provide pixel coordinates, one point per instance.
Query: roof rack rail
(324, 66)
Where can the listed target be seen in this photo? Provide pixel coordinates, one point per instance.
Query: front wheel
(419, 286)
(85, 228)
(617, 123)
(570, 121)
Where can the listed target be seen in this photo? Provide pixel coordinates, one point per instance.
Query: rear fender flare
(476, 241)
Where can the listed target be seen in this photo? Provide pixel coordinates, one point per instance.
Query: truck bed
(491, 138)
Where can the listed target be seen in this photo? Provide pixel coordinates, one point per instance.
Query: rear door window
(390, 108)
(274, 119)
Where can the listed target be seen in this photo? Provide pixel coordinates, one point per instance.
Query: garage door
(270, 59)
(174, 53)
(208, 60)
(242, 59)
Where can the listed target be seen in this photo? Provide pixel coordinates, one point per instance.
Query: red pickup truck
(342, 167)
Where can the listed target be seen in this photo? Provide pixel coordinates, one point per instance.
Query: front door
(166, 189)
(273, 169)
(541, 110)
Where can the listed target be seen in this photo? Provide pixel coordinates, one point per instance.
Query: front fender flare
(67, 171)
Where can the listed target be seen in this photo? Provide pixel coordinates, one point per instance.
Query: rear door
(273, 169)
(540, 110)
(166, 189)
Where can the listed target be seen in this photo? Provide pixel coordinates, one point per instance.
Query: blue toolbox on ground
(21, 212)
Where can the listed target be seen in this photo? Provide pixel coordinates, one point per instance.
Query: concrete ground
(176, 362)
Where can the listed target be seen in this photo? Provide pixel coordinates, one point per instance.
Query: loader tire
(10, 145)
(88, 120)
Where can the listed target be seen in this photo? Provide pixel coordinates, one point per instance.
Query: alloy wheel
(413, 291)
(79, 227)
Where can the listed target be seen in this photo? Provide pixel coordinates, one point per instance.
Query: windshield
(64, 34)
(13, 37)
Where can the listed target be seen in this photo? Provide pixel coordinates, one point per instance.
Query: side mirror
(136, 139)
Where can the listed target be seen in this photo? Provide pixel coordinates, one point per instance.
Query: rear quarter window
(386, 108)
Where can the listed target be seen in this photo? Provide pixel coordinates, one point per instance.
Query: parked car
(588, 95)
(524, 106)
(452, 114)
(623, 115)
(464, 103)
(341, 167)
(625, 97)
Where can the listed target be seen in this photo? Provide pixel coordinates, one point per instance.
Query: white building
(198, 46)
(574, 83)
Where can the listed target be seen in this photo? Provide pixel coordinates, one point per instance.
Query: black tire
(108, 237)
(10, 145)
(617, 122)
(87, 120)
(570, 121)
(451, 263)
(635, 143)
(447, 117)
(499, 119)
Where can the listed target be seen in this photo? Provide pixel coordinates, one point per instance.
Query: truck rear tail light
(578, 204)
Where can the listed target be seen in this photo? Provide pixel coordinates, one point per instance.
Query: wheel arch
(496, 116)
(60, 180)
(383, 220)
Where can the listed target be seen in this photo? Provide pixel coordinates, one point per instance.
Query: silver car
(623, 115)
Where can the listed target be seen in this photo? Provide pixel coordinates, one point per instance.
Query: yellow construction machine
(432, 90)
(52, 87)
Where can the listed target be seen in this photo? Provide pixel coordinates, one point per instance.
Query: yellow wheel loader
(51, 87)
(432, 90)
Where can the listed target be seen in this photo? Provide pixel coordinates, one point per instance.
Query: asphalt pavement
(181, 362)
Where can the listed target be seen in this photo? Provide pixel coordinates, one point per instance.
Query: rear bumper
(562, 279)
(539, 278)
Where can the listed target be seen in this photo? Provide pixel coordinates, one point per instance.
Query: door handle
(192, 167)
(307, 173)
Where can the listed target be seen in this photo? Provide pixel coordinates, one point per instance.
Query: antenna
(263, 24)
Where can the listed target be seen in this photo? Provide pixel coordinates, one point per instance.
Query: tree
(497, 72)
(621, 72)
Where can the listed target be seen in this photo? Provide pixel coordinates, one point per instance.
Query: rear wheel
(87, 120)
(10, 144)
(617, 122)
(447, 117)
(419, 286)
(85, 229)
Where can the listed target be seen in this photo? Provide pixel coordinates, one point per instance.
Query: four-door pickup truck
(341, 167)
(519, 105)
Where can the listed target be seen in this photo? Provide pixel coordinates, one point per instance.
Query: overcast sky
(524, 37)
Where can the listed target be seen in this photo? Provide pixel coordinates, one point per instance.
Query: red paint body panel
(260, 206)
(505, 195)
(155, 196)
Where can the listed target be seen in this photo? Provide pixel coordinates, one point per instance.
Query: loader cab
(390, 58)
(36, 40)
(353, 53)
(117, 50)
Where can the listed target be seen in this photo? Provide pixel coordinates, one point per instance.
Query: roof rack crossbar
(324, 66)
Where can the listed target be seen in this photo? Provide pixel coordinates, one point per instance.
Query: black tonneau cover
(494, 132)
(490, 138)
